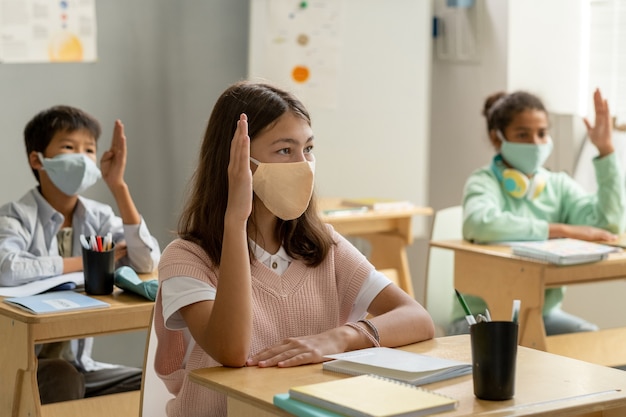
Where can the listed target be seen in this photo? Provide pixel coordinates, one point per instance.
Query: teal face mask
(525, 157)
(72, 173)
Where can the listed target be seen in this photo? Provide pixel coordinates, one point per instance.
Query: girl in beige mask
(256, 279)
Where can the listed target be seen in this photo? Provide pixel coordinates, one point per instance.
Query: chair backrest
(154, 394)
(447, 224)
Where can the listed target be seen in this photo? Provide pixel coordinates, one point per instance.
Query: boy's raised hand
(113, 162)
(600, 133)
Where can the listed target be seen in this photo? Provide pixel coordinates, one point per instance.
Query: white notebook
(563, 251)
(409, 367)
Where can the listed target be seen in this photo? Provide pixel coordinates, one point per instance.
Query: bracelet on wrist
(364, 332)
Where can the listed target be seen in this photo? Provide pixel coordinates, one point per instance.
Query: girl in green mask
(516, 198)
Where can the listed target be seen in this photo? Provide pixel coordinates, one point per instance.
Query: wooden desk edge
(326, 204)
(225, 381)
(128, 299)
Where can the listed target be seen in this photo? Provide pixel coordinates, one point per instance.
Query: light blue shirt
(28, 244)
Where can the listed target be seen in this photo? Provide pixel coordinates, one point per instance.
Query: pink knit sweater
(302, 301)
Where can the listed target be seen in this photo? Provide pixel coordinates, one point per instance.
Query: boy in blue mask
(39, 237)
(515, 198)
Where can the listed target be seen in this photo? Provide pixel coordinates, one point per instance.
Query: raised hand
(239, 173)
(600, 133)
(113, 162)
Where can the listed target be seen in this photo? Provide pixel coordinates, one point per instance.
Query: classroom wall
(162, 65)
(372, 131)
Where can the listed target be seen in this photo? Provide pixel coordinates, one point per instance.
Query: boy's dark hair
(500, 108)
(40, 130)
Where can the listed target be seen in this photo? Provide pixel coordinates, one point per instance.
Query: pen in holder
(99, 269)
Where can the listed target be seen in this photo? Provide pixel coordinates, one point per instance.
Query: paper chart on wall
(302, 48)
(43, 31)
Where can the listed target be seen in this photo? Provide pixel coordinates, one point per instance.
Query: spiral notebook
(412, 368)
(372, 396)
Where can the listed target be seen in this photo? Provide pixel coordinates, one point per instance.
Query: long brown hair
(202, 221)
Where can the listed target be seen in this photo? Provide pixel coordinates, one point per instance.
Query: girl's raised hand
(600, 133)
(239, 173)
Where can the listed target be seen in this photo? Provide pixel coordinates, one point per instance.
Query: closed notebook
(56, 302)
(372, 396)
(409, 367)
(563, 251)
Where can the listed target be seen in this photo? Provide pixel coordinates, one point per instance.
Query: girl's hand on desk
(299, 351)
(589, 233)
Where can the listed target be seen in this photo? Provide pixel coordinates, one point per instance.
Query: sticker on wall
(39, 31)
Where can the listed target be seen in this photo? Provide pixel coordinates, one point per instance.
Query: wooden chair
(154, 394)
(447, 224)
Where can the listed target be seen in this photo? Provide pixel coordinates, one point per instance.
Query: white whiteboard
(372, 139)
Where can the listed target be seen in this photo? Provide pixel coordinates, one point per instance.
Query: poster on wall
(302, 47)
(43, 31)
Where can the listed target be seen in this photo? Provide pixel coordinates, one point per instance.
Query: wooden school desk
(389, 232)
(546, 385)
(21, 331)
(493, 273)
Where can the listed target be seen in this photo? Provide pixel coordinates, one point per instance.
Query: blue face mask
(525, 157)
(72, 173)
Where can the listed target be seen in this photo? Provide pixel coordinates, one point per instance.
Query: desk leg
(499, 281)
(389, 252)
(18, 371)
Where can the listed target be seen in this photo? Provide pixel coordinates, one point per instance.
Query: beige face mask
(284, 188)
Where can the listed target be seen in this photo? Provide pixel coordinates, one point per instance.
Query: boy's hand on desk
(113, 162)
(120, 251)
(589, 233)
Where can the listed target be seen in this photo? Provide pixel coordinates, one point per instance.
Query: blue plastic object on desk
(127, 279)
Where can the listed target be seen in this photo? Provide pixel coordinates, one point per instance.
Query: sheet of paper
(37, 287)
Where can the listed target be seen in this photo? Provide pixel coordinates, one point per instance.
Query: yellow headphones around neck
(515, 182)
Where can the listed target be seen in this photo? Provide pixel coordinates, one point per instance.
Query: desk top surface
(505, 251)
(120, 301)
(334, 203)
(553, 275)
(544, 382)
